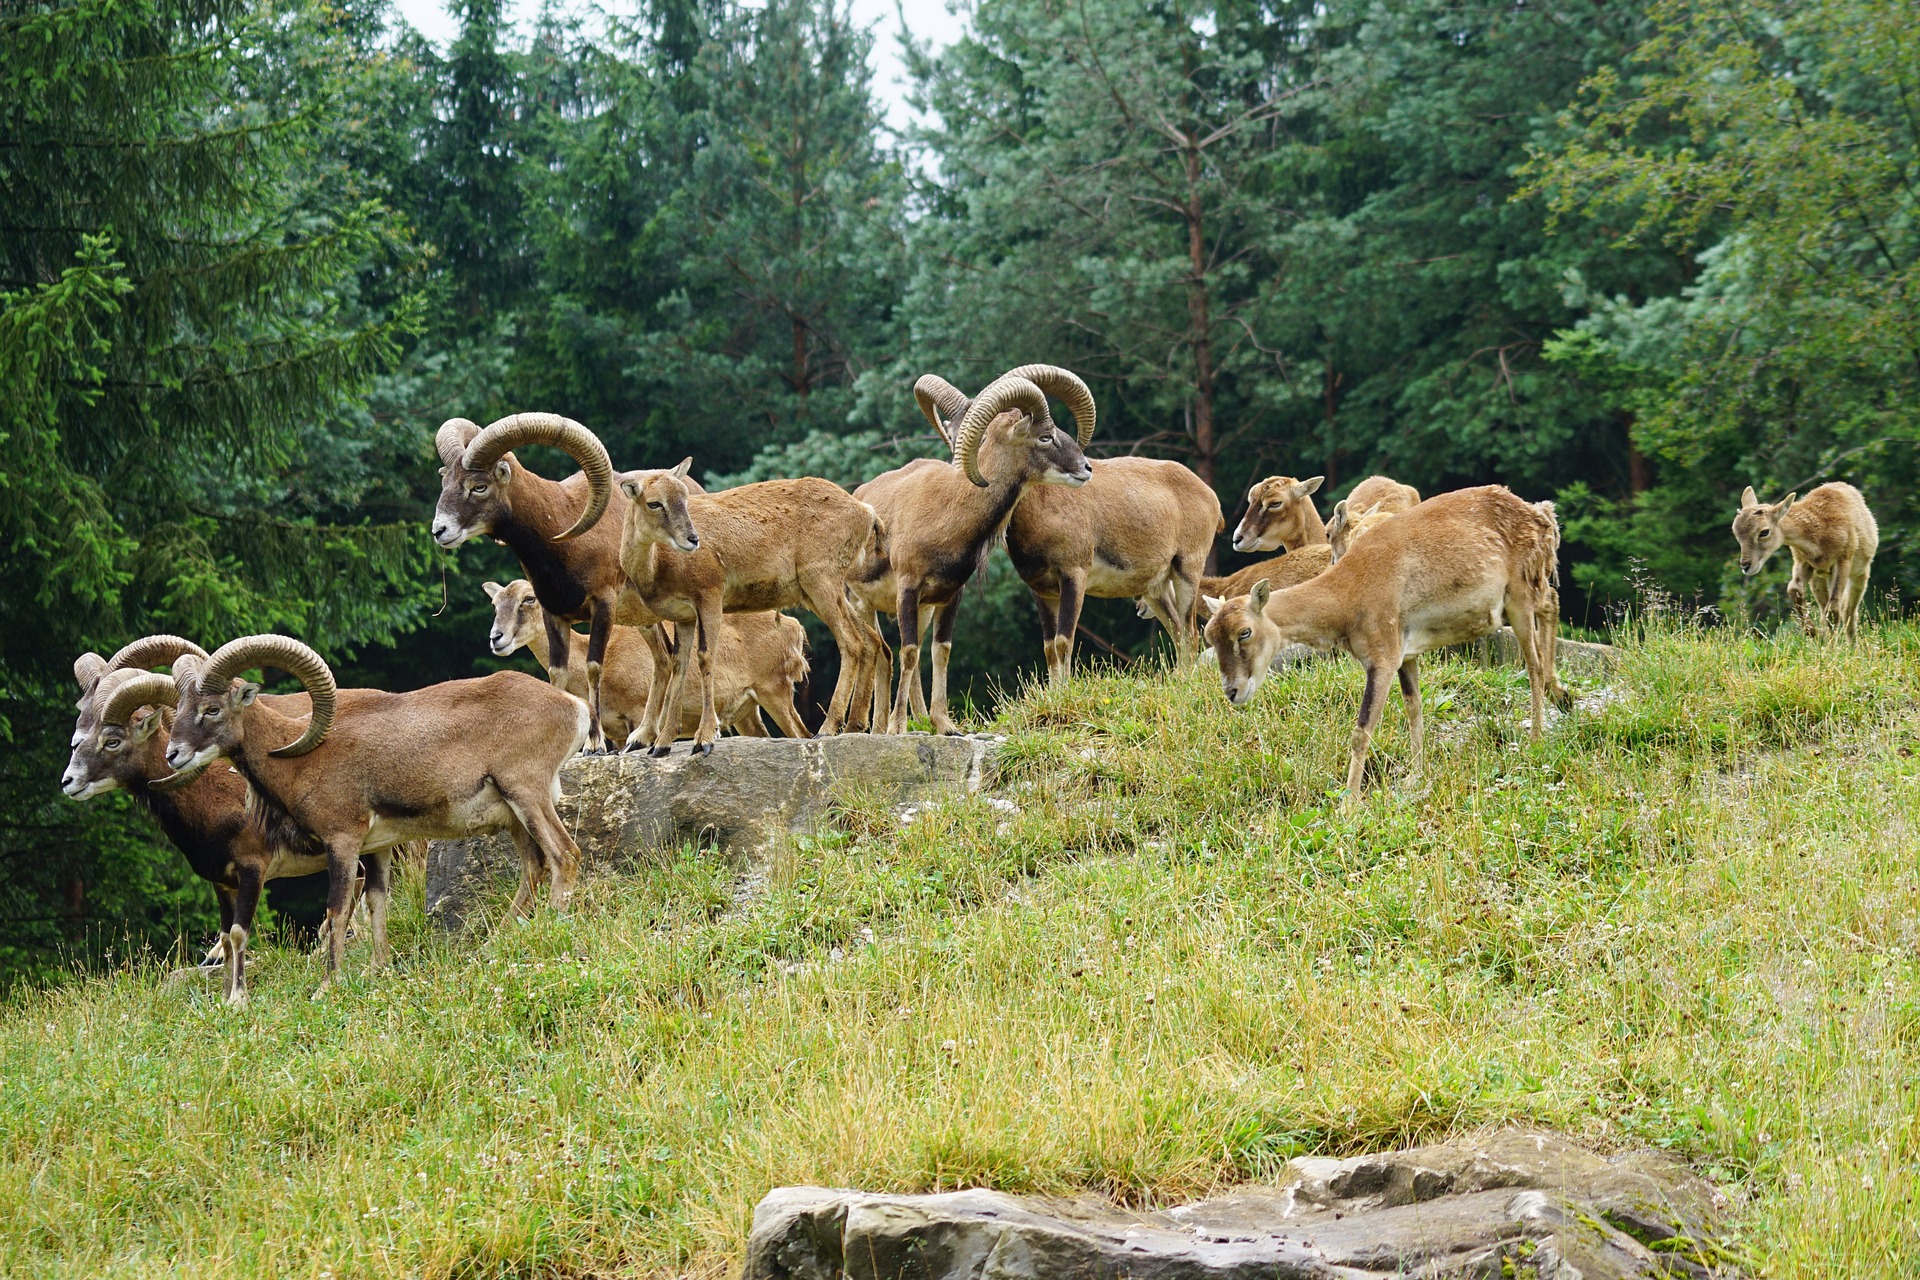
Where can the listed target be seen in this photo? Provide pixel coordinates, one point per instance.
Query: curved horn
(562, 433)
(153, 651)
(1066, 384)
(235, 656)
(147, 689)
(453, 437)
(941, 401)
(1009, 391)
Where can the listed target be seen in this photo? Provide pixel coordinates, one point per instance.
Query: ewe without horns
(691, 556)
(573, 561)
(760, 661)
(1447, 572)
(942, 518)
(1833, 538)
(370, 770)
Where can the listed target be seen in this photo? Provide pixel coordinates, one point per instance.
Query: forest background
(1629, 256)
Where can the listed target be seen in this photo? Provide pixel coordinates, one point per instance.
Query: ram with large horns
(207, 820)
(366, 770)
(1138, 528)
(943, 517)
(565, 532)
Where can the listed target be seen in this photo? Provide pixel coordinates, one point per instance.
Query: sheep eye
(111, 744)
(1246, 633)
(1047, 438)
(1765, 534)
(653, 506)
(525, 605)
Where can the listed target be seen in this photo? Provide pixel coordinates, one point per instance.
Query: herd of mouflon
(680, 591)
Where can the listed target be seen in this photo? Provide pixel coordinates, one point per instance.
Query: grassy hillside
(1687, 919)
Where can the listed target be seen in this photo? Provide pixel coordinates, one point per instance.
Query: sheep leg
(1410, 694)
(674, 697)
(217, 953)
(927, 612)
(706, 630)
(908, 612)
(942, 652)
(1185, 607)
(826, 599)
(531, 870)
(343, 871)
(1831, 588)
(558, 853)
(599, 631)
(1060, 659)
(1797, 594)
(379, 883)
(882, 666)
(1160, 606)
(246, 902)
(661, 652)
(778, 703)
(748, 723)
(1049, 607)
(1371, 701)
(1856, 593)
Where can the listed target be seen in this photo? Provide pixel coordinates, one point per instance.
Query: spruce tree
(181, 339)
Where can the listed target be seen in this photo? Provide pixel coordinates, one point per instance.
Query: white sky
(930, 20)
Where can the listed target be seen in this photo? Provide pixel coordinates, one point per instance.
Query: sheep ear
(1262, 591)
(502, 471)
(142, 729)
(493, 589)
(1786, 504)
(686, 465)
(244, 693)
(1213, 604)
(87, 668)
(1204, 611)
(1310, 485)
(1340, 509)
(630, 484)
(1748, 498)
(1374, 509)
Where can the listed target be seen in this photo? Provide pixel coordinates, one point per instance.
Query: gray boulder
(750, 791)
(1512, 1203)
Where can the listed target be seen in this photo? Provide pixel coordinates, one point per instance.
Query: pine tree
(182, 325)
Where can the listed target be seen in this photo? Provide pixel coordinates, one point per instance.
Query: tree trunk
(1332, 396)
(1199, 322)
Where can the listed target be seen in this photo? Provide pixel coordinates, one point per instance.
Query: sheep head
(1277, 514)
(516, 616)
(1244, 640)
(122, 749)
(657, 507)
(1757, 529)
(210, 721)
(479, 473)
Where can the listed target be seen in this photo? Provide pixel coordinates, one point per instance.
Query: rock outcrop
(1513, 1203)
(748, 792)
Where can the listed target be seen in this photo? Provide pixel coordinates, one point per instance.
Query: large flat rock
(1512, 1203)
(749, 792)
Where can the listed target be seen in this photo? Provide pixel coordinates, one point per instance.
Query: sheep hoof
(658, 752)
(702, 749)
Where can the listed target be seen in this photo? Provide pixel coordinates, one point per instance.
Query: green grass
(1687, 919)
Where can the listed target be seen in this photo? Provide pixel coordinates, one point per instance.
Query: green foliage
(1775, 145)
